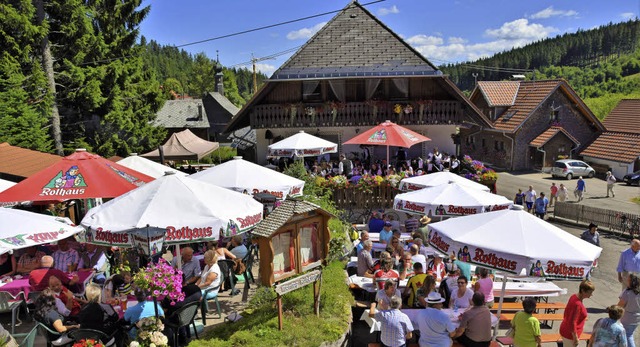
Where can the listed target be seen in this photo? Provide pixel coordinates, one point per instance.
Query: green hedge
(259, 325)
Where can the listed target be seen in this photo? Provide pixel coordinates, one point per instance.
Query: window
(398, 88)
(498, 145)
(484, 143)
(311, 91)
(309, 243)
(555, 116)
(283, 253)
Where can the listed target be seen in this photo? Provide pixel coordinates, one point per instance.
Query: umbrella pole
(387, 168)
(155, 299)
(502, 291)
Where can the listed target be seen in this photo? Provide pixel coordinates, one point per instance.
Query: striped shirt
(411, 225)
(62, 259)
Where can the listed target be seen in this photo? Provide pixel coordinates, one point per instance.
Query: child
(125, 288)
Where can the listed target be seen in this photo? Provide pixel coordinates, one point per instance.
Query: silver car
(570, 168)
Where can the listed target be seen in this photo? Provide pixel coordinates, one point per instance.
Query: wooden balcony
(354, 114)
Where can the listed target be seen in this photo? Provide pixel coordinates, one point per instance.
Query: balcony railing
(354, 114)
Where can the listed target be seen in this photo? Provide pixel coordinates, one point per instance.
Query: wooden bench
(517, 306)
(545, 338)
(540, 316)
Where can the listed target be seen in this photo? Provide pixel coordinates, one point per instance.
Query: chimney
(219, 85)
(199, 111)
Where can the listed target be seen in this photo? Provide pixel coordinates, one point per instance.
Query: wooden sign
(298, 282)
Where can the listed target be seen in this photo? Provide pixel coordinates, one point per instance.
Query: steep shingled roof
(225, 103)
(548, 134)
(355, 43)
(182, 113)
(499, 93)
(281, 215)
(625, 117)
(24, 162)
(615, 146)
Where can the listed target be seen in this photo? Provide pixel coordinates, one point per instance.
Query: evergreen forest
(79, 74)
(602, 64)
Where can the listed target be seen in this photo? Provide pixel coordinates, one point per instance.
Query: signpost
(314, 277)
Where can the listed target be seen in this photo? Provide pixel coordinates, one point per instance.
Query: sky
(443, 31)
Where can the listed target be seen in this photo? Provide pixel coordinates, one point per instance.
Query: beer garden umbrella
(517, 243)
(436, 179)
(81, 175)
(302, 145)
(171, 209)
(388, 134)
(21, 229)
(147, 167)
(449, 200)
(244, 176)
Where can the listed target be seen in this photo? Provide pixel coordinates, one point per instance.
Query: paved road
(508, 184)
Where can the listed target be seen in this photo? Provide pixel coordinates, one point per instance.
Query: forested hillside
(600, 64)
(181, 73)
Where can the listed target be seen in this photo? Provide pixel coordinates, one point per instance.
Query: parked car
(632, 178)
(570, 168)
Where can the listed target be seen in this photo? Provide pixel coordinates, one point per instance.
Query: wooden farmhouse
(293, 239)
(351, 75)
(534, 123)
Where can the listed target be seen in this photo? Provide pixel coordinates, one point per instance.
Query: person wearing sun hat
(435, 326)
(423, 230)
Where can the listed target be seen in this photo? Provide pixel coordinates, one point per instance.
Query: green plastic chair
(30, 339)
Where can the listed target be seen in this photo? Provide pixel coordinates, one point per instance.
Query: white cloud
(424, 40)
(551, 12)
(305, 33)
(266, 69)
(456, 40)
(627, 15)
(520, 29)
(510, 35)
(385, 11)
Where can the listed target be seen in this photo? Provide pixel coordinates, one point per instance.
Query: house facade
(618, 148)
(353, 74)
(534, 123)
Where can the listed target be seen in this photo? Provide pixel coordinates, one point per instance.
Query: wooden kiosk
(293, 240)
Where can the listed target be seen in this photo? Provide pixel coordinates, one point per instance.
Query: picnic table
(518, 289)
(412, 313)
(20, 284)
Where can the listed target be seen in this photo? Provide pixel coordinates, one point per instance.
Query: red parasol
(81, 175)
(388, 134)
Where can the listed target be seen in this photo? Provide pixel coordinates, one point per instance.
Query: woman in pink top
(485, 285)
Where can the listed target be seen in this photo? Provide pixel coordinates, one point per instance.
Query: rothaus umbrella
(81, 175)
(449, 200)
(147, 167)
(388, 134)
(436, 179)
(246, 177)
(302, 145)
(517, 243)
(171, 209)
(21, 229)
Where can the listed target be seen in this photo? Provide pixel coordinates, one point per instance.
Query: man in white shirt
(530, 198)
(65, 259)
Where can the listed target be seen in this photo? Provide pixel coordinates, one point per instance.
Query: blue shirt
(394, 326)
(139, 311)
(581, 185)
(386, 236)
(434, 326)
(375, 225)
(591, 238)
(629, 261)
(609, 333)
(541, 205)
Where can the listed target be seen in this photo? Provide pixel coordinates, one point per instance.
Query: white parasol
(4, 184)
(302, 145)
(147, 167)
(181, 209)
(436, 179)
(449, 200)
(244, 176)
(21, 229)
(517, 243)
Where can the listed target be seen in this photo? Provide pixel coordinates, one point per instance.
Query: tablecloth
(21, 285)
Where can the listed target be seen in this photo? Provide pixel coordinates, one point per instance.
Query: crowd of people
(434, 283)
(66, 302)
